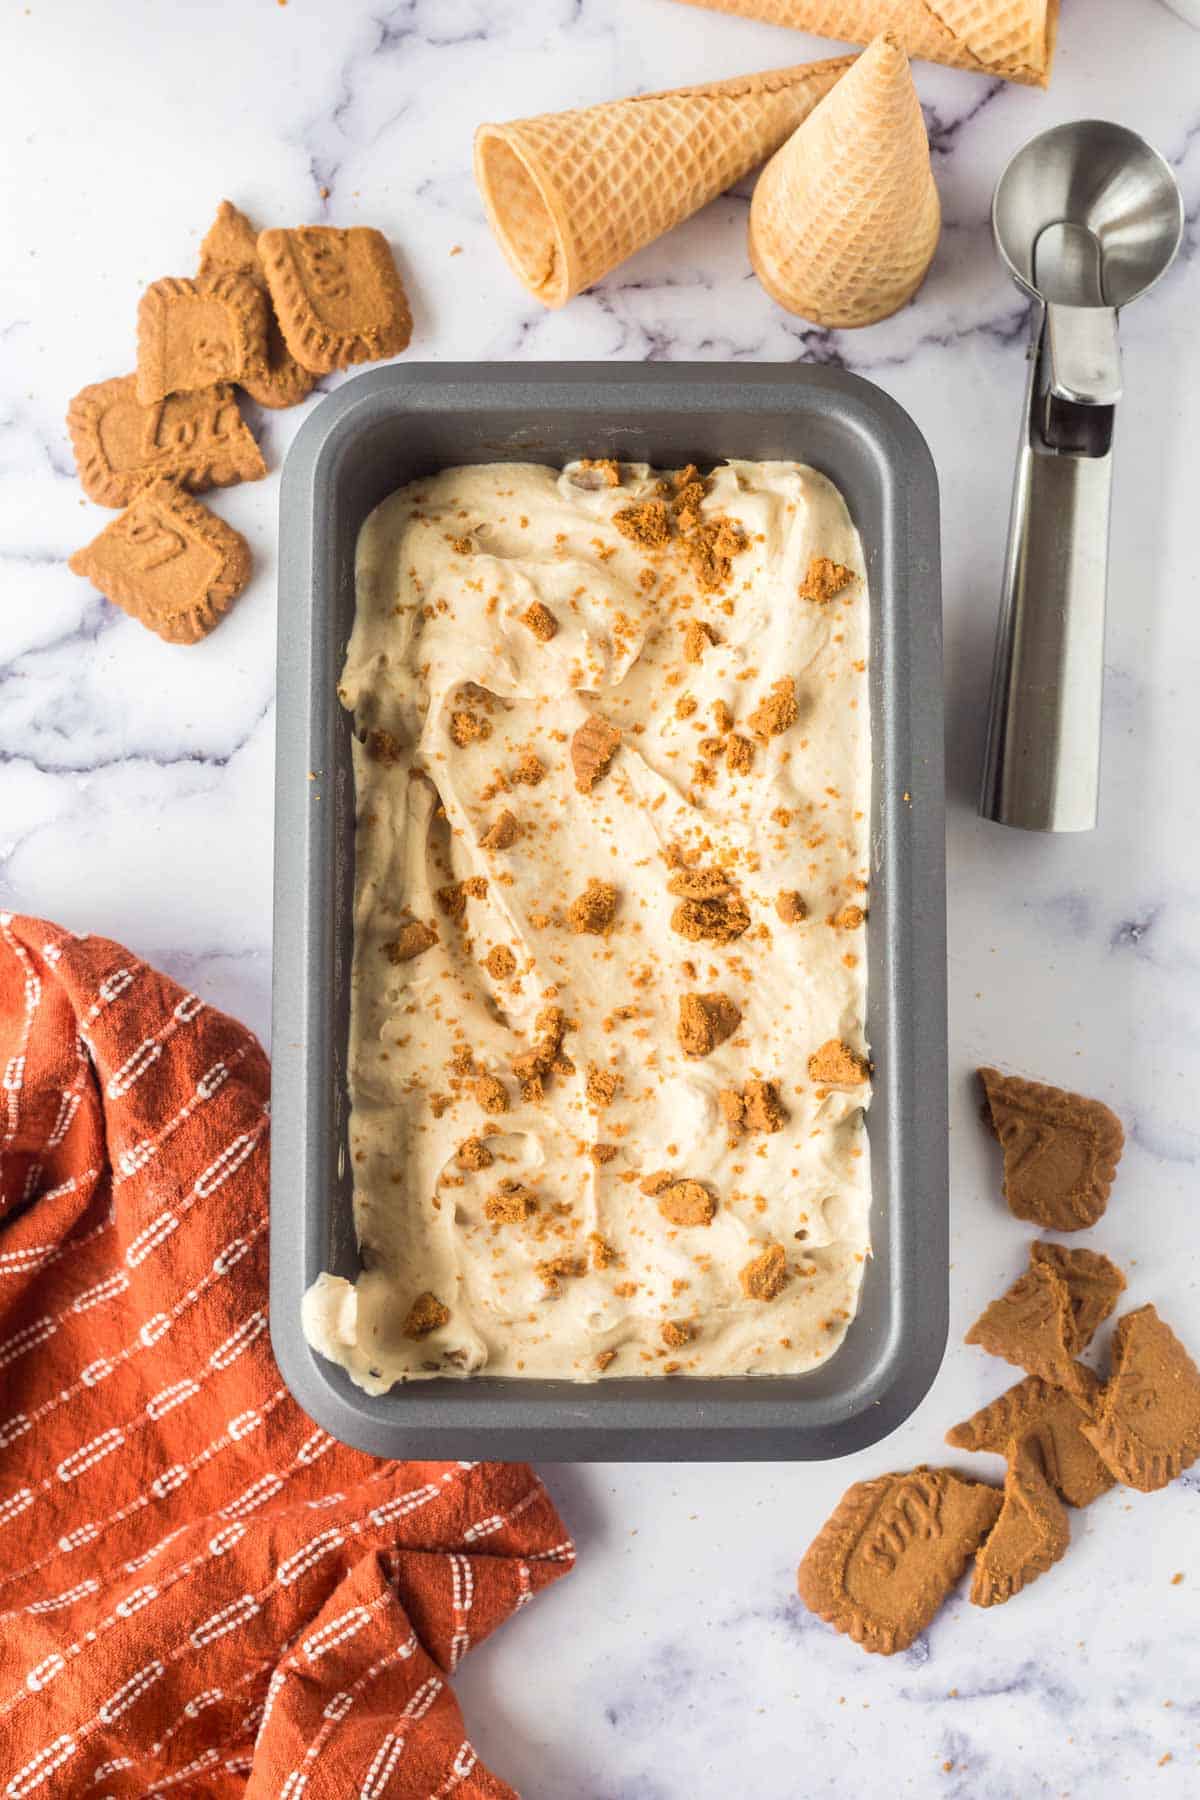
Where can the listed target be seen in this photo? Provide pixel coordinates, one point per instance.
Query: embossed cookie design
(337, 295)
(199, 440)
(168, 562)
(231, 247)
(593, 747)
(1093, 1282)
(1030, 1535)
(1033, 1326)
(194, 333)
(1037, 1410)
(1147, 1427)
(891, 1551)
(1060, 1151)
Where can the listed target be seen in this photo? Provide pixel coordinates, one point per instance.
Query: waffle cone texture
(845, 217)
(570, 195)
(1011, 38)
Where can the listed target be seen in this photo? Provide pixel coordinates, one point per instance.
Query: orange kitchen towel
(200, 1592)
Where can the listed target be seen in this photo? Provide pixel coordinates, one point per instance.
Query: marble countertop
(135, 800)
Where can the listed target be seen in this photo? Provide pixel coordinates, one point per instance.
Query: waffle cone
(570, 195)
(845, 218)
(1012, 38)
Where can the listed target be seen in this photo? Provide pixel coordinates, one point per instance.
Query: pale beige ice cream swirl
(442, 662)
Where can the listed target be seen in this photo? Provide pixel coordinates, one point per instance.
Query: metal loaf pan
(393, 426)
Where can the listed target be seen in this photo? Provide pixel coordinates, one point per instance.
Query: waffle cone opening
(521, 215)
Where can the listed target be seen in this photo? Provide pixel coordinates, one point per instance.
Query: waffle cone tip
(845, 218)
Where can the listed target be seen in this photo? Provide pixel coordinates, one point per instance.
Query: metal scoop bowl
(1087, 217)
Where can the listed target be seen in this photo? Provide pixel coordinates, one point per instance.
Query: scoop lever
(1081, 328)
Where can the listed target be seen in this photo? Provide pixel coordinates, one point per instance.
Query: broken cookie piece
(557, 1269)
(541, 621)
(530, 770)
(655, 1183)
(709, 547)
(1032, 1325)
(192, 334)
(1036, 1408)
(1031, 1534)
(699, 884)
(466, 727)
(687, 1203)
(491, 1094)
(1093, 1282)
(647, 524)
(836, 1065)
(532, 1066)
(776, 711)
(603, 1254)
(697, 636)
(718, 920)
(757, 1108)
(592, 749)
(1061, 1151)
(412, 940)
(197, 439)
(500, 962)
(231, 247)
(706, 546)
(601, 471)
(602, 1085)
(733, 1111)
(767, 1275)
(511, 1204)
(739, 754)
(791, 906)
(426, 1314)
(891, 1552)
(824, 579)
(1147, 1424)
(502, 833)
(595, 909)
(473, 1154)
(453, 897)
(706, 1020)
(762, 1109)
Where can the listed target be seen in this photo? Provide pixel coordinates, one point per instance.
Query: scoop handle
(1042, 762)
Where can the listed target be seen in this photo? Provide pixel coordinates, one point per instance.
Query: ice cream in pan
(608, 1067)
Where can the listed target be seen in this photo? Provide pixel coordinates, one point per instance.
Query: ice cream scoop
(1087, 217)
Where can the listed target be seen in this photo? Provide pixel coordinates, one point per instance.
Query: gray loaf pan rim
(388, 427)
